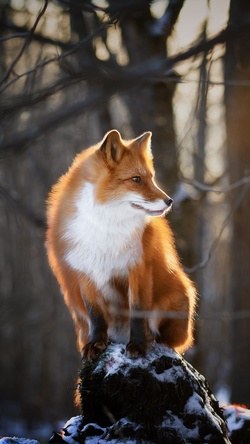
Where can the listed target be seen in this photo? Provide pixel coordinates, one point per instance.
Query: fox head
(126, 175)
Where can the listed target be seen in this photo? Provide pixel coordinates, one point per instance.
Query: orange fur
(122, 274)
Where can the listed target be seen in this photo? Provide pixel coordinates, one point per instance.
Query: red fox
(113, 254)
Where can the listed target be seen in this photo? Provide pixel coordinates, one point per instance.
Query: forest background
(69, 72)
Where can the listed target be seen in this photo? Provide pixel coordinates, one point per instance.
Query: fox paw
(92, 350)
(136, 350)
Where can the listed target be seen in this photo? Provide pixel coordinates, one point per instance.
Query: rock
(157, 399)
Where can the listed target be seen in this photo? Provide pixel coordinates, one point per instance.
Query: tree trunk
(150, 106)
(237, 99)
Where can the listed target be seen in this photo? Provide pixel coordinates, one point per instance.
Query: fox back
(112, 251)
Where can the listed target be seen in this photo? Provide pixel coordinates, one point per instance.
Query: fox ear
(112, 147)
(144, 142)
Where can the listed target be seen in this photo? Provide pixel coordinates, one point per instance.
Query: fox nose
(168, 201)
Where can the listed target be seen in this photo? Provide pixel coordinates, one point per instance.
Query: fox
(113, 252)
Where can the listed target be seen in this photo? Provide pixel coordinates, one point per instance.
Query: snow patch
(119, 361)
(71, 430)
(236, 416)
(15, 440)
(194, 404)
(173, 422)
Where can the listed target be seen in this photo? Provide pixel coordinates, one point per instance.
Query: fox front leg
(140, 295)
(137, 345)
(98, 338)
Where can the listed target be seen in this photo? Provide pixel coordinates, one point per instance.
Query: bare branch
(13, 104)
(205, 45)
(20, 142)
(154, 67)
(59, 58)
(26, 44)
(112, 78)
(22, 209)
(208, 188)
(23, 32)
(216, 241)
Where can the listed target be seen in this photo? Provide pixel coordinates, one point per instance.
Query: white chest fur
(105, 239)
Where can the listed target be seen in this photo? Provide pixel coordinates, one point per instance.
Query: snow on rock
(15, 440)
(153, 400)
(157, 399)
(238, 422)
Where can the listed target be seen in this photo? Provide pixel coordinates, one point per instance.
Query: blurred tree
(151, 105)
(237, 97)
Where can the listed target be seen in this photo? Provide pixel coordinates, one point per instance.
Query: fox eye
(137, 179)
